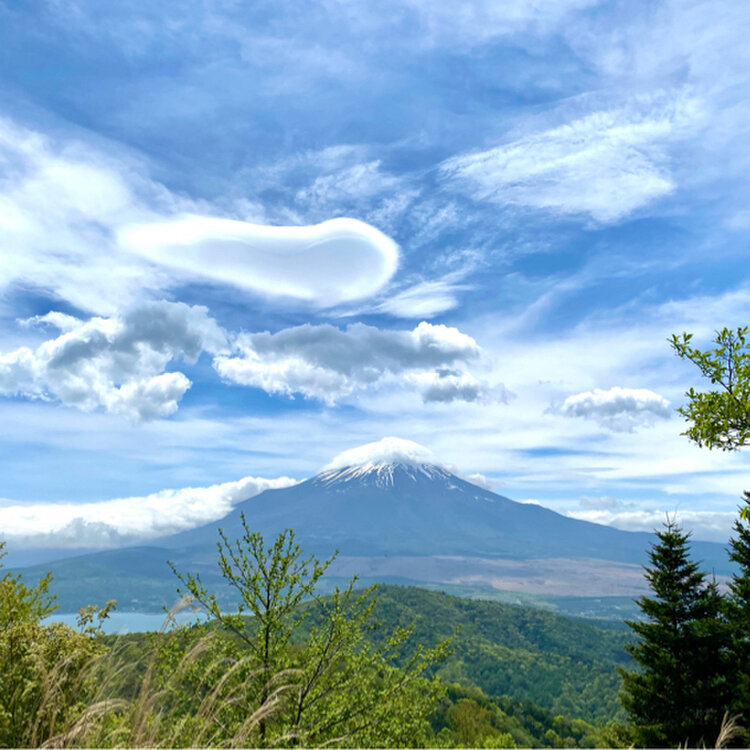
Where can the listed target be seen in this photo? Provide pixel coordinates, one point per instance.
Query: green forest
(382, 666)
(387, 666)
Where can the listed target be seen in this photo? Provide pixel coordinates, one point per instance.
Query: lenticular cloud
(384, 451)
(328, 263)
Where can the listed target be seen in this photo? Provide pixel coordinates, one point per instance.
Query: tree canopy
(680, 692)
(720, 417)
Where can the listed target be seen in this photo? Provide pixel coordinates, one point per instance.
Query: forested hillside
(561, 664)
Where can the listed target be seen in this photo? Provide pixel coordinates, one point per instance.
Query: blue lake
(129, 622)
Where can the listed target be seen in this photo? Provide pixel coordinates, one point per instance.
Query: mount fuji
(394, 512)
(393, 497)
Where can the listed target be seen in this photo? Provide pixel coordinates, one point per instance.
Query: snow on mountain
(382, 462)
(389, 450)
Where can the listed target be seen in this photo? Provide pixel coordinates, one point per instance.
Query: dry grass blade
(86, 721)
(269, 707)
(730, 729)
(171, 617)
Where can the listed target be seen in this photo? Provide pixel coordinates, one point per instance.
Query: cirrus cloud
(606, 164)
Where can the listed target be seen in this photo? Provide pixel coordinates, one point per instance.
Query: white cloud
(702, 44)
(89, 226)
(58, 202)
(705, 525)
(606, 164)
(423, 300)
(118, 364)
(618, 409)
(445, 385)
(388, 450)
(335, 261)
(703, 41)
(328, 363)
(356, 182)
(480, 480)
(114, 363)
(60, 321)
(129, 519)
(603, 502)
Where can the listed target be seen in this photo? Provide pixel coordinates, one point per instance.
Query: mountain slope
(402, 509)
(559, 663)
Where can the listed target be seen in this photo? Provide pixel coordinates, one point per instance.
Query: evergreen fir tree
(738, 610)
(680, 693)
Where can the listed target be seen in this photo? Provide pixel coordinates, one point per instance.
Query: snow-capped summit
(382, 461)
(389, 450)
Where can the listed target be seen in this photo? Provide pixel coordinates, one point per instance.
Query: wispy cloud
(473, 23)
(425, 299)
(605, 164)
(357, 182)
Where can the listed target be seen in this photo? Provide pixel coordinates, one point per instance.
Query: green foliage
(564, 665)
(719, 418)
(738, 611)
(334, 686)
(468, 717)
(681, 691)
(45, 670)
(271, 582)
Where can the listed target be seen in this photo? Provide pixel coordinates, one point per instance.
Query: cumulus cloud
(705, 525)
(114, 363)
(606, 164)
(119, 364)
(127, 520)
(618, 409)
(329, 363)
(445, 385)
(89, 226)
(335, 261)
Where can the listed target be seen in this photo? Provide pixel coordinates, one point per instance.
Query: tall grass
(159, 713)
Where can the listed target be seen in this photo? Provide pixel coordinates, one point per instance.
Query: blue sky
(238, 239)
